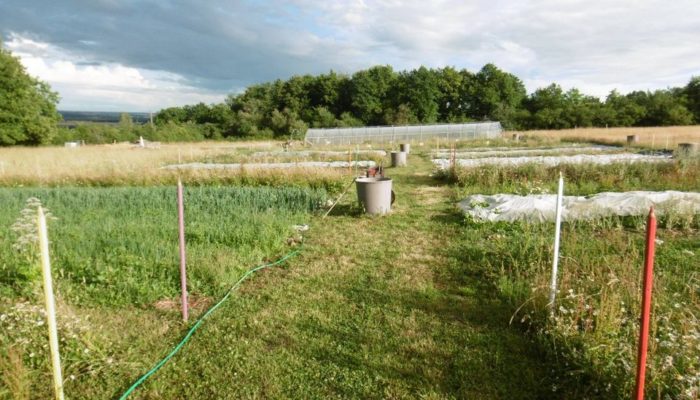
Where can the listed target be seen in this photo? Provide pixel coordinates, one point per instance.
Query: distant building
(407, 133)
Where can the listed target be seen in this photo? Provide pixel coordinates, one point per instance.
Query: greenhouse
(408, 133)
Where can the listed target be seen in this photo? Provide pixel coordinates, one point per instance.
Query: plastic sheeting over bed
(541, 207)
(555, 160)
(250, 166)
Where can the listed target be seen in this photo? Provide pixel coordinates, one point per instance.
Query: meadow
(422, 303)
(125, 164)
(596, 324)
(661, 137)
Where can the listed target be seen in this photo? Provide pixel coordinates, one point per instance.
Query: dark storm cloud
(215, 45)
(204, 49)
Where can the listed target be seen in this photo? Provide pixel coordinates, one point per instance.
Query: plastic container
(398, 159)
(374, 194)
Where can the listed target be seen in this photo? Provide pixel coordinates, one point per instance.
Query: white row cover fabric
(542, 207)
(309, 153)
(555, 160)
(529, 151)
(513, 148)
(407, 133)
(249, 166)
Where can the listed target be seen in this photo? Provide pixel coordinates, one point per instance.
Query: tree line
(375, 96)
(381, 96)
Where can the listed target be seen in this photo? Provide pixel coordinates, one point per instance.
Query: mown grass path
(371, 309)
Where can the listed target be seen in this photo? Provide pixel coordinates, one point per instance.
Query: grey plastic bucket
(405, 147)
(374, 194)
(398, 159)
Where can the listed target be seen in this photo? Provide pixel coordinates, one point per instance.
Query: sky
(144, 55)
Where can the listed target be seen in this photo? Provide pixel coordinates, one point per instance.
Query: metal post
(646, 305)
(50, 305)
(557, 234)
(183, 262)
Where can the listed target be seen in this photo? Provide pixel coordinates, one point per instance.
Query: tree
(452, 85)
(547, 107)
(661, 108)
(623, 110)
(323, 118)
(369, 92)
(692, 95)
(170, 114)
(28, 113)
(418, 90)
(497, 95)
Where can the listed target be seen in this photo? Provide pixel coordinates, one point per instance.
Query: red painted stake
(646, 305)
(183, 262)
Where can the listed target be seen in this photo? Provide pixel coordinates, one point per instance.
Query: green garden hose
(201, 319)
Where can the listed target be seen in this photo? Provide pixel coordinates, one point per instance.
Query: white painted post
(557, 235)
(50, 306)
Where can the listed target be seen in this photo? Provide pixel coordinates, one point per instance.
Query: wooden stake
(50, 305)
(183, 259)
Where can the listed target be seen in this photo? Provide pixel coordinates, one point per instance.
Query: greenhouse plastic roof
(407, 133)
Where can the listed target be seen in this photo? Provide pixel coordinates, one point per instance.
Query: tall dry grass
(660, 137)
(125, 164)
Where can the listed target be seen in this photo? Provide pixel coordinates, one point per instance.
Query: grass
(115, 254)
(417, 304)
(127, 165)
(662, 137)
(596, 326)
(107, 262)
(581, 179)
(365, 312)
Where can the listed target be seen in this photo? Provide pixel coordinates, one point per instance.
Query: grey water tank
(688, 149)
(398, 159)
(374, 194)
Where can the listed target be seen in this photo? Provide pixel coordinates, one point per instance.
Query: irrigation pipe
(196, 325)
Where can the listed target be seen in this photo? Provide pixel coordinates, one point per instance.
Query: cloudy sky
(142, 55)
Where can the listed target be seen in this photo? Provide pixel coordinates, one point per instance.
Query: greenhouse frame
(407, 133)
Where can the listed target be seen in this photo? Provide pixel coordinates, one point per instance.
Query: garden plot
(542, 207)
(310, 153)
(513, 148)
(443, 164)
(264, 166)
(529, 151)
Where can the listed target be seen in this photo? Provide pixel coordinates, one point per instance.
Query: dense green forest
(375, 96)
(382, 96)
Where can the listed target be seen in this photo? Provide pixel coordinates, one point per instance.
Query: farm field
(661, 137)
(421, 303)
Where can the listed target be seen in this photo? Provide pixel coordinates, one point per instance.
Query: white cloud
(192, 50)
(86, 85)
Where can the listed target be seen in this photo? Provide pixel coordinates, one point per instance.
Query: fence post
(50, 305)
(646, 304)
(557, 236)
(183, 260)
